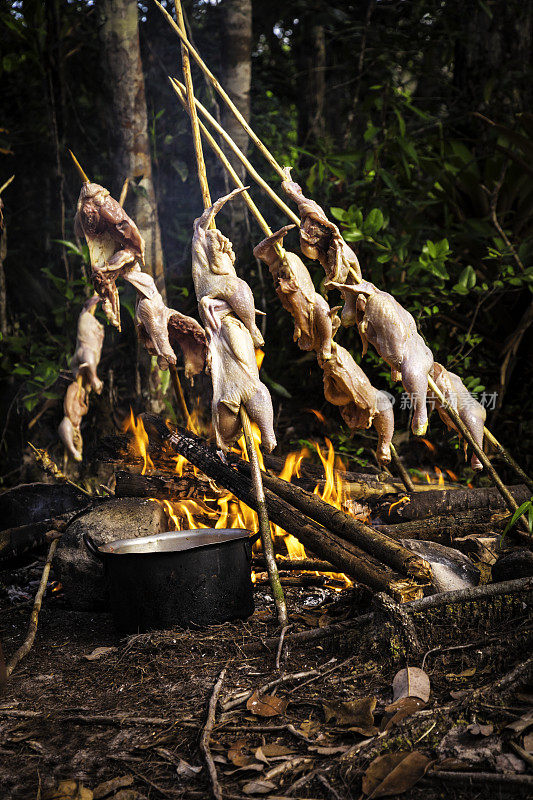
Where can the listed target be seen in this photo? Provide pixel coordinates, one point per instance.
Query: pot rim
(174, 541)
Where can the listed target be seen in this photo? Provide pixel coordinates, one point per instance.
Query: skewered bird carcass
(313, 320)
(75, 406)
(89, 343)
(114, 241)
(471, 413)
(214, 274)
(383, 322)
(227, 309)
(321, 240)
(156, 324)
(360, 404)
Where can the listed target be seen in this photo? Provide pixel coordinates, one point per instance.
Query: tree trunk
(236, 45)
(129, 124)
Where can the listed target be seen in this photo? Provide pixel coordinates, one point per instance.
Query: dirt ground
(134, 712)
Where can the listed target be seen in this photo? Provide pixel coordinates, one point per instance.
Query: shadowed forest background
(409, 122)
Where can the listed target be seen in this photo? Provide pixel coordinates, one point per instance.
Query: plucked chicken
(313, 323)
(75, 406)
(227, 309)
(321, 240)
(360, 404)
(89, 343)
(471, 413)
(114, 241)
(383, 322)
(214, 274)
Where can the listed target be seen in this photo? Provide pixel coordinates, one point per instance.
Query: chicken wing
(321, 240)
(471, 413)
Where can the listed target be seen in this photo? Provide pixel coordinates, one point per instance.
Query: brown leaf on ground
(356, 713)
(475, 729)
(237, 753)
(411, 682)
(310, 728)
(186, 770)
(128, 794)
(258, 787)
(394, 773)
(69, 790)
(329, 751)
(108, 787)
(266, 705)
(268, 751)
(528, 742)
(398, 711)
(466, 673)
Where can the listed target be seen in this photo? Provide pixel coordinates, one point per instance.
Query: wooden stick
(404, 475)
(25, 648)
(6, 184)
(124, 192)
(508, 459)
(240, 155)
(206, 736)
(264, 524)
(83, 176)
(463, 430)
(296, 564)
(216, 85)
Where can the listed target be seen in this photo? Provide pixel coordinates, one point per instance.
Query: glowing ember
(259, 356)
(140, 438)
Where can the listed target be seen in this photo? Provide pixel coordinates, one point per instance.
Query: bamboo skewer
(508, 459)
(262, 514)
(240, 155)
(463, 430)
(216, 85)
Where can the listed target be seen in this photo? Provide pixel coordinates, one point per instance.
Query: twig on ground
(327, 785)
(505, 778)
(314, 634)
(206, 735)
(243, 696)
(279, 654)
(505, 684)
(25, 648)
(524, 755)
(440, 649)
(402, 619)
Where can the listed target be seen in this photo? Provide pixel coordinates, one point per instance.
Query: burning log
(353, 530)
(295, 564)
(162, 486)
(445, 502)
(344, 556)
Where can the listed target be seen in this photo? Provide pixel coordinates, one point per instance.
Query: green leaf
(374, 221)
(338, 213)
(467, 278)
(516, 516)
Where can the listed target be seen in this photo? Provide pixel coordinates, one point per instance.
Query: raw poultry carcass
(383, 322)
(114, 242)
(321, 240)
(88, 346)
(471, 413)
(75, 406)
(360, 404)
(235, 377)
(156, 323)
(214, 273)
(313, 323)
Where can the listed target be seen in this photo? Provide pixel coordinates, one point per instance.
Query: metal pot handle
(91, 547)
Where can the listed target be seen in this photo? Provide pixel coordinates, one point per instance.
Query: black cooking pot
(184, 578)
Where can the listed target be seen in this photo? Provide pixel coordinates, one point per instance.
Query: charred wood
(162, 485)
(420, 505)
(445, 529)
(294, 564)
(353, 530)
(345, 556)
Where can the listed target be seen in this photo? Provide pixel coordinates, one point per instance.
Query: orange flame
(317, 414)
(140, 438)
(259, 356)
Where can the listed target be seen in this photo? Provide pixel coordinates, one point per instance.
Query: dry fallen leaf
(394, 773)
(411, 682)
(466, 673)
(309, 728)
(328, 751)
(69, 790)
(237, 754)
(399, 710)
(266, 705)
(99, 652)
(258, 787)
(128, 794)
(186, 770)
(356, 713)
(268, 751)
(475, 729)
(528, 742)
(111, 786)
